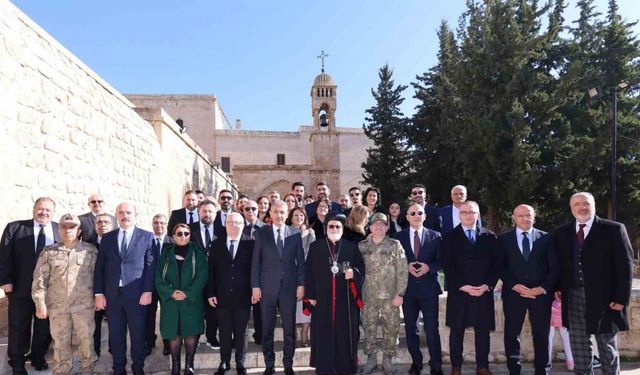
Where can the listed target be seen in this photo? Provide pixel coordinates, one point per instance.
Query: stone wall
(66, 133)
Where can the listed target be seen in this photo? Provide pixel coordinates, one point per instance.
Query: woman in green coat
(181, 275)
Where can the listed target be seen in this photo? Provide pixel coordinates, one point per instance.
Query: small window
(280, 160)
(226, 164)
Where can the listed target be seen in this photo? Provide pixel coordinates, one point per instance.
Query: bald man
(529, 275)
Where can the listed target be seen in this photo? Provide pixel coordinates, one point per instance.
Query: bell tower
(323, 100)
(324, 139)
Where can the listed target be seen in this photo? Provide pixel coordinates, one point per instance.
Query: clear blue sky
(258, 57)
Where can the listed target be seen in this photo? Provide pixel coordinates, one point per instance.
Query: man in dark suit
(230, 290)
(123, 285)
(596, 268)
(186, 215)
(528, 278)
(22, 242)
(277, 280)
(88, 220)
(322, 189)
(160, 238)
(103, 226)
(252, 225)
(203, 233)
(422, 247)
(449, 216)
(225, 201)
(419, 196)
(472, 259)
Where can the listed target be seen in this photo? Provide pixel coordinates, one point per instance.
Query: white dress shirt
(520, 237)
(587, 227)
(204, 235)
(235, 246)
(455, 215)
(48, 234)
(412, 235)
(195, 215)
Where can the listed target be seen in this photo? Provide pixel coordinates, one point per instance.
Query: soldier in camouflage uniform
(63, 290)
(383, 290)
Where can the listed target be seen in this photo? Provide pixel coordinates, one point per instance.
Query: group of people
(329, 266)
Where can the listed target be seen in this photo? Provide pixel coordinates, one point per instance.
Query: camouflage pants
(64, 326)
(390, 319)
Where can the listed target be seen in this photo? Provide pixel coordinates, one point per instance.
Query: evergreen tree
(386, 166)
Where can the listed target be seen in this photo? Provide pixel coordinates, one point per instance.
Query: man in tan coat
(62, 290)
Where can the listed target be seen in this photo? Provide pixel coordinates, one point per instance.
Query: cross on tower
(322, 56)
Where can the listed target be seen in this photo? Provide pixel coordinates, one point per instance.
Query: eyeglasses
(247, 209)
(468, 212)
(103, 222)
(226, 198)
(420, 192)
(183, 234)
(332, 226)
(96, 201)
(323, 207)
(418, 213)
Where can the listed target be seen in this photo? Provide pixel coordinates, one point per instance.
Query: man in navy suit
(186, 215)
(230, 290)
(322, 189)
(422, 247)
(22, 242)
(528, 277)
(277, 281)
(596, 268)
(123, 285)
(419, 196)
(450, 215)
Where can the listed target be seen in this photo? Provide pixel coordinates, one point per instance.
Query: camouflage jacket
(63, 278)
(386, 267)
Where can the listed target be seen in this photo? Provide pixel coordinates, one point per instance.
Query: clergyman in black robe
(334, 276)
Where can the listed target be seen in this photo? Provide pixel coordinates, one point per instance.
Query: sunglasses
(247, 209)
(96, 201)
(414, 213)
(226, 198)
(183, 234)
(332, 226)
(354, 194)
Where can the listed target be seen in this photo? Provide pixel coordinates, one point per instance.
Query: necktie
(158, 245)
(123, 244)
(250, 230)
(232, 248)
(581, 234)
(470, 235)
(279, 243)
(526, 247)
(416, 244)
(41, 240)
(190, 217)
(207, 236)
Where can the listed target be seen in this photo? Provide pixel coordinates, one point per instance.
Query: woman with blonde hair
(355, 228)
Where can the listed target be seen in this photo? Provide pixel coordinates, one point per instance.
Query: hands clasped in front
(475, 291)
(418, 269)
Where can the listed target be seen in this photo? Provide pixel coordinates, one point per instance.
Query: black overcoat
(476, 264)
(607, 266)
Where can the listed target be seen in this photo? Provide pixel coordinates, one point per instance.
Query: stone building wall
(66, 133)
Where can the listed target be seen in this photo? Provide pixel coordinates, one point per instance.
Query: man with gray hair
(596, 272)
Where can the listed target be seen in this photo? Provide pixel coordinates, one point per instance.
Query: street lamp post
(614, 151)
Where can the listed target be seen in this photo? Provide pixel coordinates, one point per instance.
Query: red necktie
(581, 234)
(416, 244)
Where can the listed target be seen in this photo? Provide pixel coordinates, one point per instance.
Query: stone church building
(259, 161)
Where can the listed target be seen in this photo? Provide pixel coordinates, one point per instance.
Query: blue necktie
(470, 235)
(526, 247)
